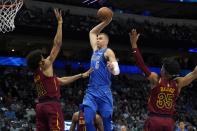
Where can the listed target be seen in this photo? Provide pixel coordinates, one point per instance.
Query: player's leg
(105, 109)
(170, 124)
(106, 117)
(55, 116)
(155, 123)
(89, 114)
(90, 108)
(148, 124)
(99, 123)
(41, 122)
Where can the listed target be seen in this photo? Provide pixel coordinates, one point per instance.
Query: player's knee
(106, 115)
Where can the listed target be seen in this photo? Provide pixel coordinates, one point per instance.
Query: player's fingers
(60, 12)
(55, 10)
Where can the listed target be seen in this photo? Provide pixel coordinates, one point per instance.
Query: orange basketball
(104, 13)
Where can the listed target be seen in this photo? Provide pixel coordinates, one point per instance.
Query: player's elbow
(57, 42)
(60, 81)
(93, 32)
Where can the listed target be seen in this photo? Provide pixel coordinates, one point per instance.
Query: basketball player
(98, 95)
(79, 120)
(49, 116)
(164, 89)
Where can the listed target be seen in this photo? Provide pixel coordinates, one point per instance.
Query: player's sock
(89, 118)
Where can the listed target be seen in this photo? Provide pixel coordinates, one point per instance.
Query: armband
(116, 69)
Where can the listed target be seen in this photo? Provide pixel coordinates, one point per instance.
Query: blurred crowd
(130, 93)
(158, 35)
(44, 18)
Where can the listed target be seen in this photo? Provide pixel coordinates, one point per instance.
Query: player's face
(42, 62)
(101, 41)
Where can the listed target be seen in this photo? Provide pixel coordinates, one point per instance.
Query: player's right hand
(58, 14)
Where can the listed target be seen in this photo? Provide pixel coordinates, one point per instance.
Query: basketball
(104, 13)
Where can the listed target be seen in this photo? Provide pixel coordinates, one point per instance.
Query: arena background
(167, 27)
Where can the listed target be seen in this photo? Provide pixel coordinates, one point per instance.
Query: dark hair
(172, 67)
(33, 59)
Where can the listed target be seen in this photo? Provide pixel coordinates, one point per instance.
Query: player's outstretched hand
(87, 73)
(58, 14)
(110, 65)
(134, 37)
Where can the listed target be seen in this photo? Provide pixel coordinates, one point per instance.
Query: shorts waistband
(43, 100)
(161, 115)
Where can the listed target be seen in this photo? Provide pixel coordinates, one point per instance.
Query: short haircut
(33, 59)
(171, 66)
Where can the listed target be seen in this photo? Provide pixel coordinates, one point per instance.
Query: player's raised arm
(97, 29)
(153, 77)
(58, 37)
(186, 80)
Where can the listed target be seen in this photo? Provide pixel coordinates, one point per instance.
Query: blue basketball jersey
(101, 75)
(98, 95)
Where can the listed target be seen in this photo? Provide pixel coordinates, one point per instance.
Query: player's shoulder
(109, 51)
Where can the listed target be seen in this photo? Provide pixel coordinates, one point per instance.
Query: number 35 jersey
(163, 97)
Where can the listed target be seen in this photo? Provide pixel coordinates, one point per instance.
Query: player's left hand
(110, 65)
(87, 73)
